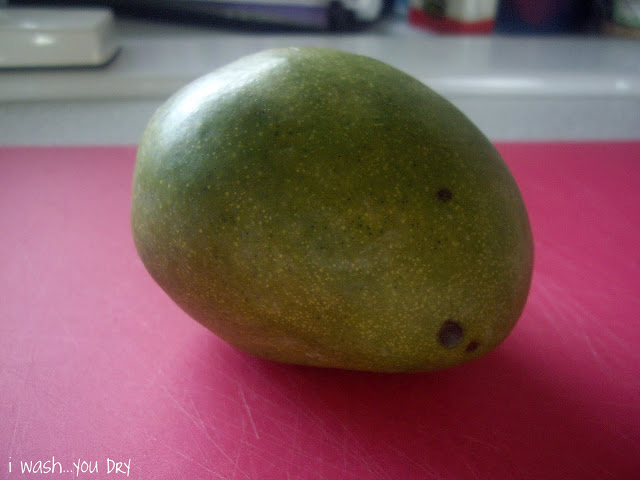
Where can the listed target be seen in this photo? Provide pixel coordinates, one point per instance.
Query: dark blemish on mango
(450, 334)
(444, 195)
(472, 347)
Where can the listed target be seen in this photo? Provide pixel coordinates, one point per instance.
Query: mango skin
(316, 207)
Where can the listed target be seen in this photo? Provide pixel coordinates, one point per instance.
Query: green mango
(317, 207)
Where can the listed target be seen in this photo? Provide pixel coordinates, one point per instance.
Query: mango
(317, 207)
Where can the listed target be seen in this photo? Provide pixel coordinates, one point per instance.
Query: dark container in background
(544, 16)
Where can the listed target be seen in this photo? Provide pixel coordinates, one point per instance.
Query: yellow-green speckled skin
(322, 208)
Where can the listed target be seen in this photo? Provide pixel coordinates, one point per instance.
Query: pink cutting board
(98, 366)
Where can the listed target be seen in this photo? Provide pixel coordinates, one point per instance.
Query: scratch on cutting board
(495, 448)
(466, 464)
(355, 453)
(71, 335)
(301, 458)
(613, 430)
(593, 470)
(197, 420)
(15, 430)
(248, 409)
(604, 328)
(344, 440)
(191, 459)
(214, 443)
(433, 474)
(568, 310)
(319, 421)
(236, 463)
(596, 332)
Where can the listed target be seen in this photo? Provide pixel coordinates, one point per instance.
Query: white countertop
(514, 88)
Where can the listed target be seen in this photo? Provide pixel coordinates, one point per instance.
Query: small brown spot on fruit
(450, 334)
(472, 347)
(444, 195)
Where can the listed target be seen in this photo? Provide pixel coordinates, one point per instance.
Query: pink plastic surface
(98, 366)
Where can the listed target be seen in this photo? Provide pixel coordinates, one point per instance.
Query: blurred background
(505, 16)
(94, 71)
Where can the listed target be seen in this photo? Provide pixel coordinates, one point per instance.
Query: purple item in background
(286, 14)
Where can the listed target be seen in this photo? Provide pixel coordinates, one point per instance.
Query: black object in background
(203, 13)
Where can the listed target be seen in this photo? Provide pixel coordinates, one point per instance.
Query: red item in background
(453, 16)
(419, 18)
(97, 365)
